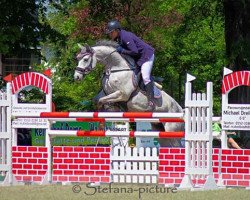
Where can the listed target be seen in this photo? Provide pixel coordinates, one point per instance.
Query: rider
(140, 51)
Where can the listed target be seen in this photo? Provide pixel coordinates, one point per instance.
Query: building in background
(18, 64)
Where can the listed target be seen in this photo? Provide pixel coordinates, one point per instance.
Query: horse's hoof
(99, 106)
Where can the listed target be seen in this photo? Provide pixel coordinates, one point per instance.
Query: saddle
(138, 81)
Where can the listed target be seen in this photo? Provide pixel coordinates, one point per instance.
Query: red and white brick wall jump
(93, 164)
(171, 165)
(235, 166)
(29, 164)
(81, 164)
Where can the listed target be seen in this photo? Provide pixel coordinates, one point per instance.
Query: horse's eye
(85, 59)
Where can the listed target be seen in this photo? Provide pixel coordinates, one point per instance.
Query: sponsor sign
(145, 141)
(38, 135)
(236, 117)
(120, 141)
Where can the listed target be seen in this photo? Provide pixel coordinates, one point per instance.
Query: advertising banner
(38, 135)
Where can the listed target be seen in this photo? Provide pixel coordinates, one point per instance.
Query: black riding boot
(150, 94)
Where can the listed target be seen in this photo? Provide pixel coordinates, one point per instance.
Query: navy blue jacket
(135, 47)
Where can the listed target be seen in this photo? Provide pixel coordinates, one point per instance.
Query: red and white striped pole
(177, 120)
(108, 133)
(110, 115)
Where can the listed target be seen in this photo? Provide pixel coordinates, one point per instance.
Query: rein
(89, 67)
(117, 70)
(120, 70)
(109, 55)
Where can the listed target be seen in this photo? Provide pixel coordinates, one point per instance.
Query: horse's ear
(88, 48)
(80, 46)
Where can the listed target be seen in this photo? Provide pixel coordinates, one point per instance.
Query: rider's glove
(119, 49)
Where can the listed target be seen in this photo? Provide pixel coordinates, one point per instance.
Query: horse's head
(86, 62)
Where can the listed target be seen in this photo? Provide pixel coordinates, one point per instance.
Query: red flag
(9, 78)
(53, 107)
(47, 72)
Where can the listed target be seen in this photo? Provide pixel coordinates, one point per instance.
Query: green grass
(51, 192)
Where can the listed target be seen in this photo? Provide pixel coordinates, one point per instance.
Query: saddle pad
(157, 92)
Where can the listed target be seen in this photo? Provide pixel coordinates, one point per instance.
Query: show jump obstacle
(195, 165)
(10, 108)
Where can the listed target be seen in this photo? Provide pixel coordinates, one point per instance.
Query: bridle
(89, 67)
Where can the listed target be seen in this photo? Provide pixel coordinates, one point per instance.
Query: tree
(189, 40)
(187, 37)
(21, 27)
(237, 32)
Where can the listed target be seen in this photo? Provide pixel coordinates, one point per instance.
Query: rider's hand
(119, 49)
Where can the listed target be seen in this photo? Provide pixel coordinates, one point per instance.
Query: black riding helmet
(112, 25)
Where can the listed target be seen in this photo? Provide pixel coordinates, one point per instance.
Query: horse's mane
(108, 43)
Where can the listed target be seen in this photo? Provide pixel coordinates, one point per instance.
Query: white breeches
(146, 69)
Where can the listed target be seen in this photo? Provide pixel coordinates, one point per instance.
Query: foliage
(188, 37)
(237, 28)
(21, 28)
(69, 95)
(31, 95)
(72, 96)
(191, 42)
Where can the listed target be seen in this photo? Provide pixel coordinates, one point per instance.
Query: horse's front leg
(97, 98)
(117, 96)
(100, 95)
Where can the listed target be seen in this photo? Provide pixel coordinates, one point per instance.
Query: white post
(14, 136)
(49, 148)
(210, 124)
(186, 181)
(198, 137)
(49, 96)
(224, 140)
(9, 128)
(223, 133)
(210, 181)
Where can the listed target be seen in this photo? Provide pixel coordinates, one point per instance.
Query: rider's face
(114, 34)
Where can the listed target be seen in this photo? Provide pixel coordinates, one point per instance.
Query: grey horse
(119, 85)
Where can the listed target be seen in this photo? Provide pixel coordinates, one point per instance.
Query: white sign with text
(236, 117)
(30, 123)
(145, 141)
